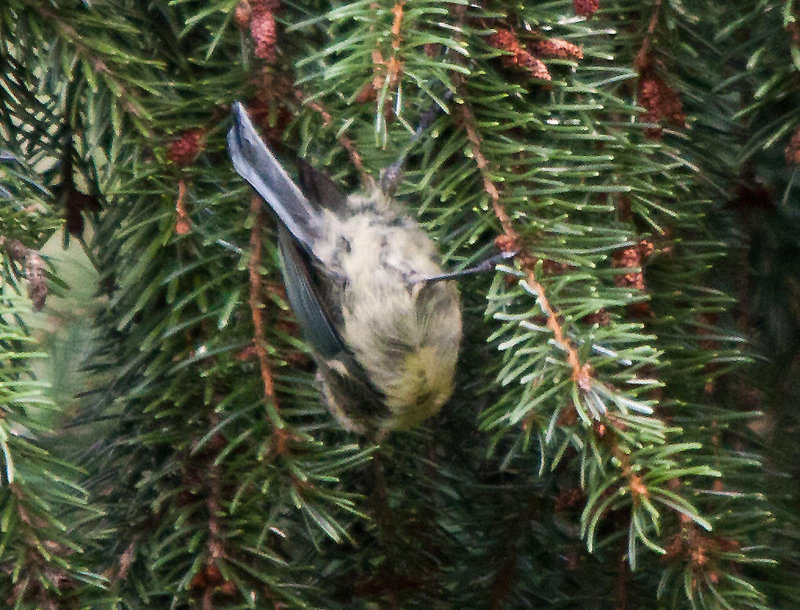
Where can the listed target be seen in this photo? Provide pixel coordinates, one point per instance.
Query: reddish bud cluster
(272, 122)
(518, 56)
(585, 8)
(555, 47)
(569, 498)
(242, 14)
(699, 551)
(210, 577)
(646, 248)
(504, 243)
(263, 31)
(184, 149)
(661, 103)
(630, 257)
(259, 15)
(600, 317)
(268, 108)
(792, 151)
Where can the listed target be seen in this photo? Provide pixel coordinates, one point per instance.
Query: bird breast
(404, 332)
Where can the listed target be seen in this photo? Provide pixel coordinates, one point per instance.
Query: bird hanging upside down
(363, 280)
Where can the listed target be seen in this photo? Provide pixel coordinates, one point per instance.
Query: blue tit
(360, 275)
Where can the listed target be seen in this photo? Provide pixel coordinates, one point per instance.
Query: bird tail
(255, 163)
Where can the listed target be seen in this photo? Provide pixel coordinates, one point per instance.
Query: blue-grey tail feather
(256, 164)
(305, 299)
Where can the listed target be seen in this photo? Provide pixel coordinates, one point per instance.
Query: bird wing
(305, 299)
(350, 393)
(319, 188)
(256, 164)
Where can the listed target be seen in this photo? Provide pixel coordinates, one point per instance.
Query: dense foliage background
(622, 431)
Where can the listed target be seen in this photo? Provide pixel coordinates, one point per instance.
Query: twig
(214, 543)
(346, 142)
(581, 372)
(256, 209)
(182, 223)
(383, 512)
(122, 94)
(281, 436)
(126, 559)
(623, 583)
(642, 56)
(397, 12)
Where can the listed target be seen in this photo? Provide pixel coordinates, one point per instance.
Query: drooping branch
(512, 242)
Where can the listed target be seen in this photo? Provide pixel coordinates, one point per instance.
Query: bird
(365, 282)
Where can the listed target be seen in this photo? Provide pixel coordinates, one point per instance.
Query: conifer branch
(258, 508)
(606, 425)
(512, 242)
(121, 93)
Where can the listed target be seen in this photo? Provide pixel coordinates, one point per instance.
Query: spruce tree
(620, 435)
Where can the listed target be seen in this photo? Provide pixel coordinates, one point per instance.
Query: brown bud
(213, 575)
(37, 282)
(661, 104)
(569, 498)
(505, 243)
(792, 151)
(242, 14)
(626, 258)
(518, 56)
(184, 149)
(600, 317)
(263, 29)
(555, 47)
(585, 8)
